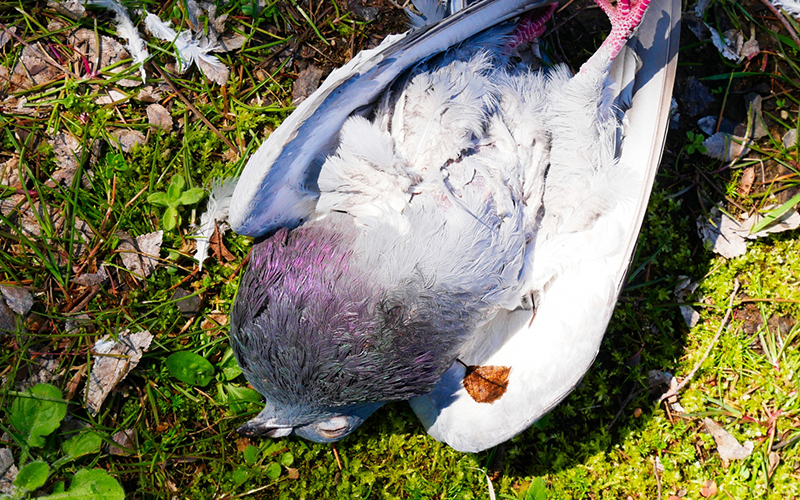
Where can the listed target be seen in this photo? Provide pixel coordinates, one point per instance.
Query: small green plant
(195, 370)
(173, 199)
(35, 414)
(695, 143)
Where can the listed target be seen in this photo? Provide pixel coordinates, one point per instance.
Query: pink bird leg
(624, 17)
(531, 26)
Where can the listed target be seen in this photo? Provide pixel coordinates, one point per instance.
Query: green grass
(601, 442)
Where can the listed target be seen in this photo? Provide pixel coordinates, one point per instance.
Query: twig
(656, 463)
(196, 111)
(724, 322)
(783, 21)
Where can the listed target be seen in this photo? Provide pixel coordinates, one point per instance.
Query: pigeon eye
(333, 428)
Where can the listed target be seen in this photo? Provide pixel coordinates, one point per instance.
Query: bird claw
(625, 17)
(531, 26)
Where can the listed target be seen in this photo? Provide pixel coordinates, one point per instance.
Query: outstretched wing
(278, 185)
(549, 355)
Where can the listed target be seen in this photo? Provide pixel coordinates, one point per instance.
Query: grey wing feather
(278, 185)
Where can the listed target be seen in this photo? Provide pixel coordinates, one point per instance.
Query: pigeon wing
(278, 186)
(549, 354)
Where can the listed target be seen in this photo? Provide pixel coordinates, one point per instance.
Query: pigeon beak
(259, 428)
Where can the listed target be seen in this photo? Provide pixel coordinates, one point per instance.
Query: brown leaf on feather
(486, 384)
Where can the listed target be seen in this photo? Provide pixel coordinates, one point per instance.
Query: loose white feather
(125, 28)
(219, 202)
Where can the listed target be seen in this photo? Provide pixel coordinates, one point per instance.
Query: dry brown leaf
(159, 117)
(708, 489)
(774, 461)
(73, 9)
(214, 69)
(217, 246)
(292, 473)
(9, 172)
(126, 440)
(128, 138)
(306, 83)
(231, 155)
(213, 321)
(18, 299)
(111, 97)
(8, 321)
(8, 472)
(34, 68)
(140, 256)
(74, 382)
(242, 444)
(231, 42)
(486, 384)
(7, 36)
(108, 52)
(113, 360)
(727, 446)
(91, 279)
(149, 94)
(746, 183)
(43, 370)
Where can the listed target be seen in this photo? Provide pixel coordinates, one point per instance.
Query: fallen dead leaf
(213, 321)
(746, 182)
(73, 9)
(242, 444)
(44, 370)
(111, 96)
(113, 360)
(34, 68)
(486, 384)
(18, 299)
(682, 290)
(727, 446)
(140, 256)
(774, 461)
(7, 35)
(8, 472)
(214, 69)
(100, 56)
(232, 42)
(126, 440)
(91, 279)
(128, 138)
(8, 321)
(218, 246)
(187, 303)
(74, 382)
(292, 473)
(306, 83)
(159, 117)
(728, 237)
(709, 488)
(149, 94)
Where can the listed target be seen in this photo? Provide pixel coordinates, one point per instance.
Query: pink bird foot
(625, 16)
(531, 26)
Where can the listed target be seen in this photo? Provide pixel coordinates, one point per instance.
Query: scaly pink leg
(531, 26)
(624, 17)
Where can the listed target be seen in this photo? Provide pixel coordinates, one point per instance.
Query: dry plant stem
(702, 360)
(658, 477)
(782, 20)
(195, 110)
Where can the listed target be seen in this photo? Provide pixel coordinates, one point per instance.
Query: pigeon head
(325, 341)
